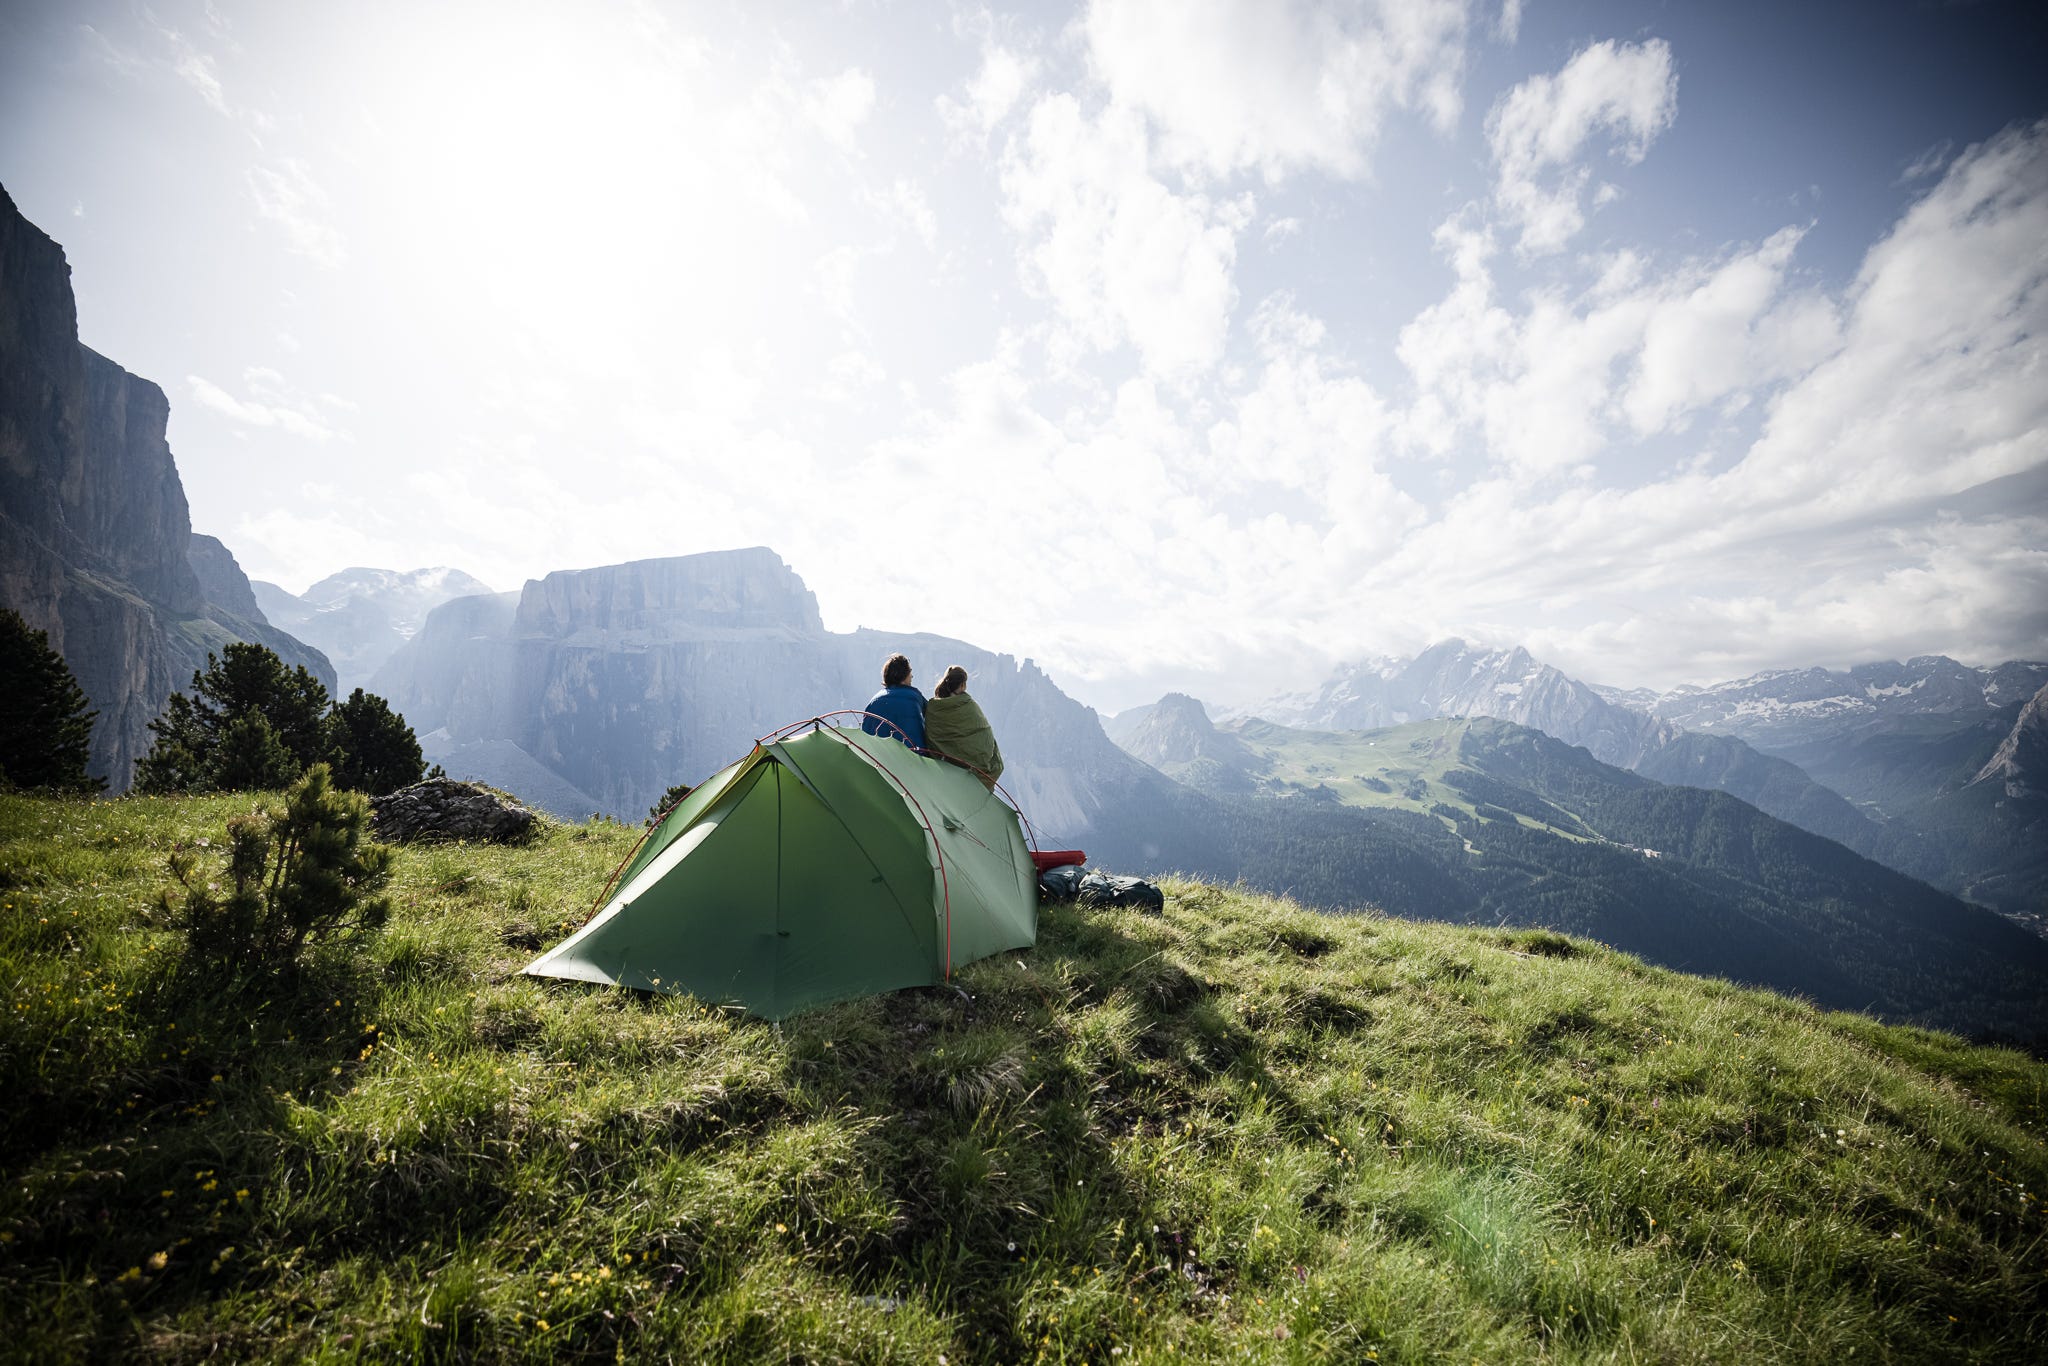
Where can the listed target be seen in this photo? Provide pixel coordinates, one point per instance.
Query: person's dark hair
(895, 671)
(954, 681)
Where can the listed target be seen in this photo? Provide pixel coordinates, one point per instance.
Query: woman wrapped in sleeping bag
(956, 727)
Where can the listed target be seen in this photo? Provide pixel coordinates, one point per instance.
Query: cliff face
(231, 613)
(94, 528)
(2020, 765)
(750, 592)
(220, 577)
(624, 680)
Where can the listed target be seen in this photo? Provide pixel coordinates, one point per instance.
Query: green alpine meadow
(1238, 1130)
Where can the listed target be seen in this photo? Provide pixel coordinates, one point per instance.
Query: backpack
(1097, 888)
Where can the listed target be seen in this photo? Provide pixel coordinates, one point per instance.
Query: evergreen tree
(45, 722)
(375, 750)
(244, 680)
(668, 800)
(250, 757)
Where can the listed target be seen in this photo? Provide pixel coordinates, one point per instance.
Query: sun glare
(572, 180)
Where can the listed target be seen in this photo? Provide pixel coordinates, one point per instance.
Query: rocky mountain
(2020, 764)
(623, 680)
(1908, 744)
(359, 617)
(1176, 737)
(1452, 678)
(1891, 737)
(95, 533)
(1786, 709)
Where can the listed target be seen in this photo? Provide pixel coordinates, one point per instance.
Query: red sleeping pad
(1057, 858)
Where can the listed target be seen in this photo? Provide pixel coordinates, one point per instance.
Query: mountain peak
(1179, 707)
(739, 590)
(1176, 734)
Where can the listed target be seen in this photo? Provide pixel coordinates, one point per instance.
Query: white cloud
(1122, 257)
(1314, 436)
(852, 376)
(905, 202)
(1508, 27)
(1631, 355)
(1937, 386)
(1972, 588)
(839, 105)
(272, 402)
(1278, 85)
(1732, 332)
(838, 275)
(1625, 453)
(1885, 497)
(197, 70)
(288, 546)
(1537, 131)
(1927, 163)
(995, 90)
(286, 194)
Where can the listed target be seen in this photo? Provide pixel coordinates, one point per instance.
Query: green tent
(824, 866)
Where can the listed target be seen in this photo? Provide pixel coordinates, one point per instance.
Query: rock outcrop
(444, 809)
(94, 528)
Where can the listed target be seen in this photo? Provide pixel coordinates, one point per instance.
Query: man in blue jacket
(897, 711)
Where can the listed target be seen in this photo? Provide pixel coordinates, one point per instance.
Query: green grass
(1234, 1131)
(1400, 768)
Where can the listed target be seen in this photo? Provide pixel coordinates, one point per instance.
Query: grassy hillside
(1234, 1131)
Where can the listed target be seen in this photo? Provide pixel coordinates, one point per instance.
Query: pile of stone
(444, 809)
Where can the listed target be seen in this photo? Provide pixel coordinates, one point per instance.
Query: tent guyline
(823, 865)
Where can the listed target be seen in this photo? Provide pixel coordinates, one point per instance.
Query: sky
(1175, 344)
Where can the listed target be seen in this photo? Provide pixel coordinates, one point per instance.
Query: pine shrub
(297, 874)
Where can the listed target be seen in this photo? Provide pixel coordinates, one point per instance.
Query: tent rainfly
(821, 867)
